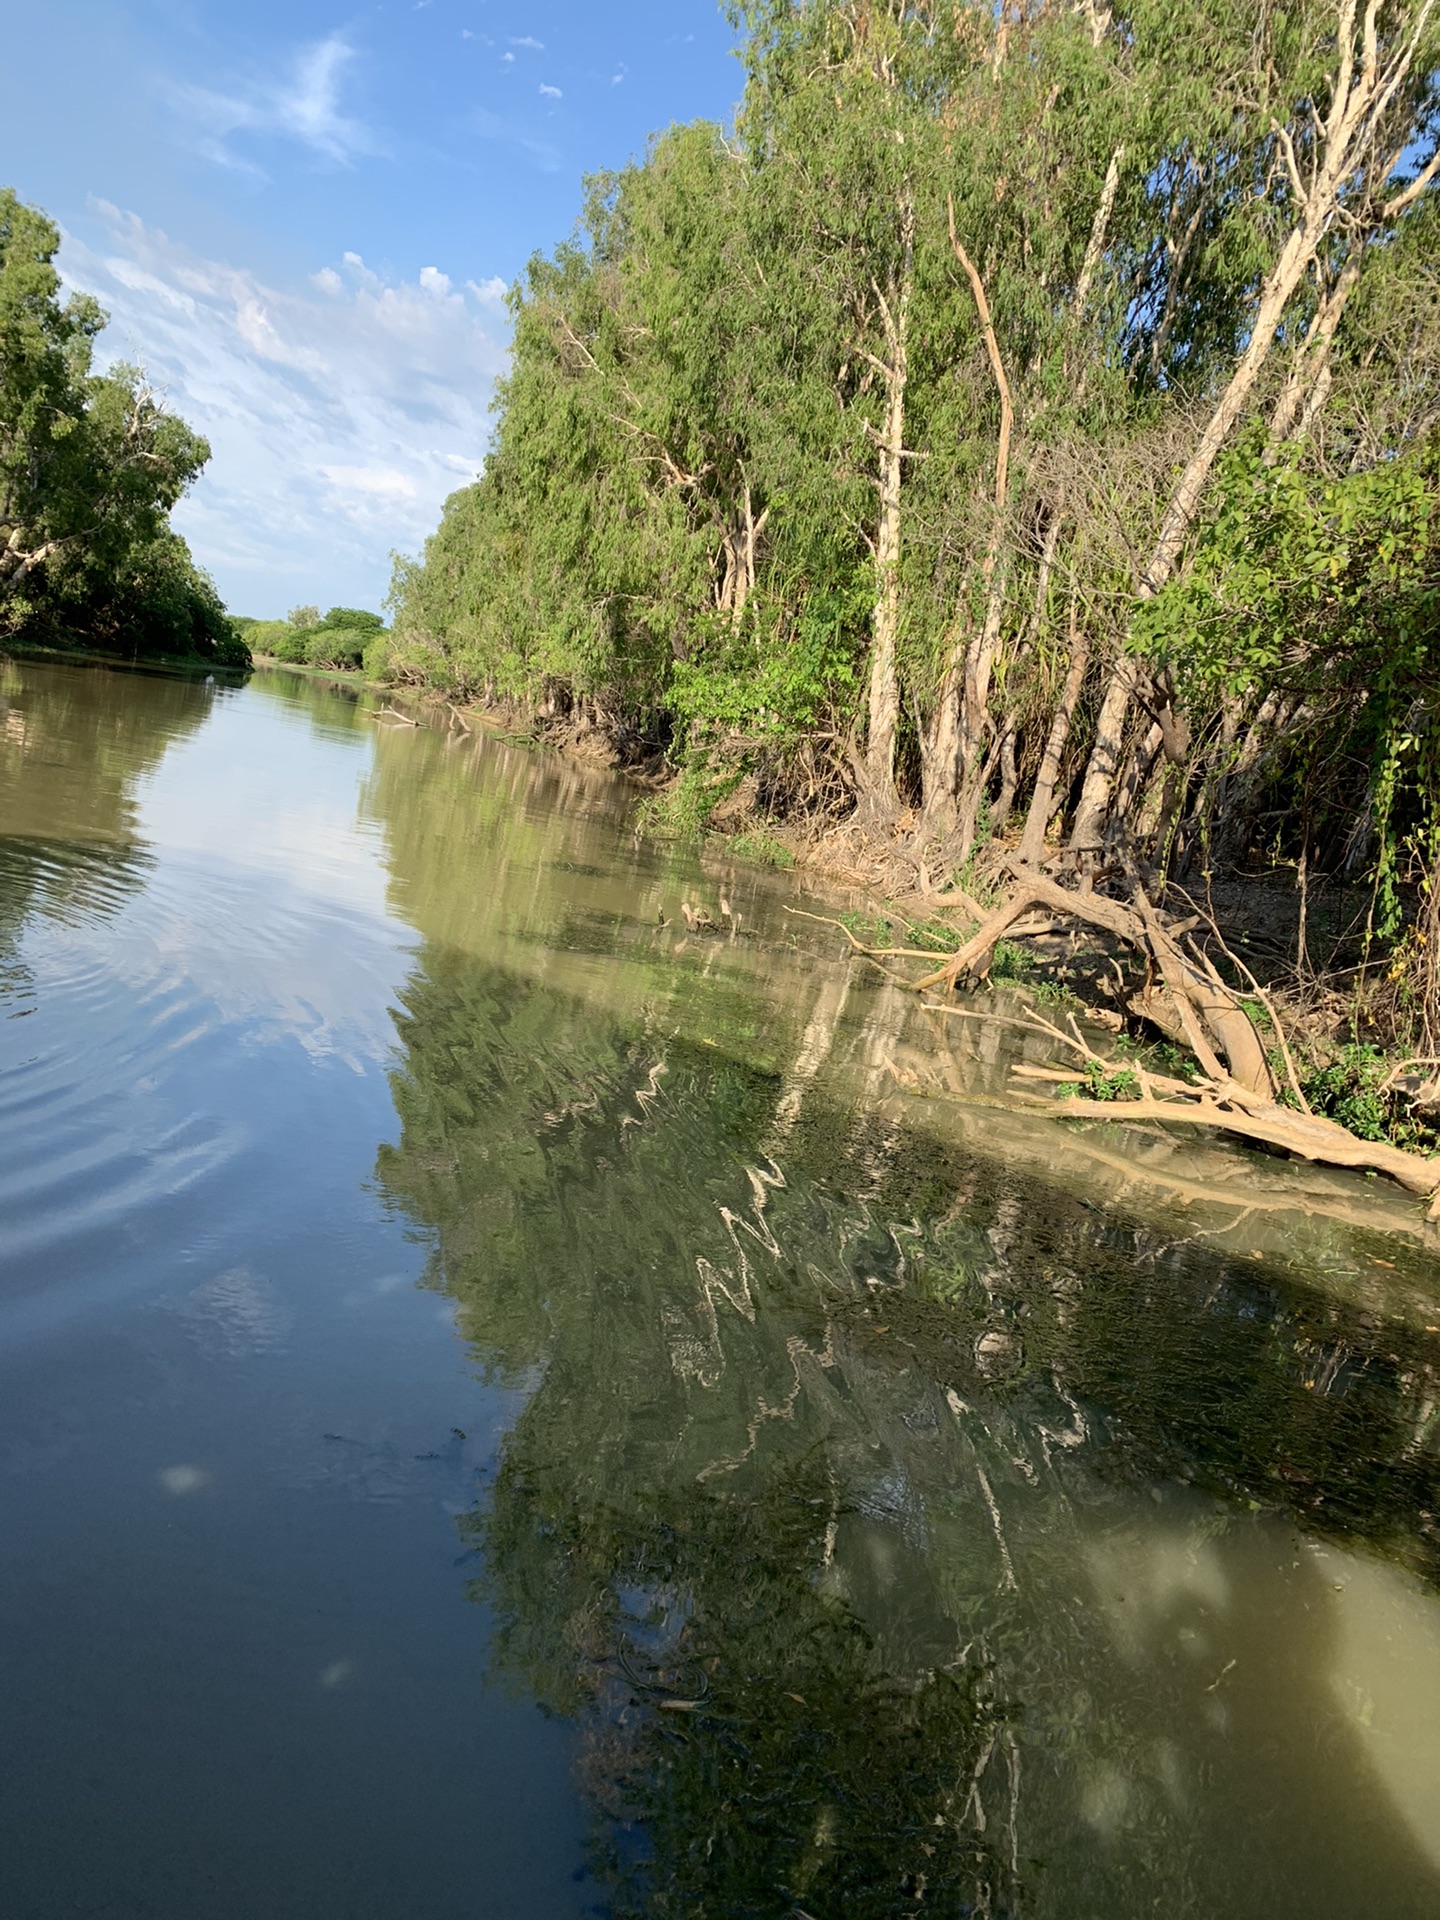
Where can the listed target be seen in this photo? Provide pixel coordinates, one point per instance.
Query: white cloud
(525, 40)
(387, 482)
(340, 415)
(304, 106)
(551, 93)
(507, 59)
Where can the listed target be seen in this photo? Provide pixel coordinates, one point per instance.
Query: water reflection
(896, 1528)
(899, 1528)
(74, 747)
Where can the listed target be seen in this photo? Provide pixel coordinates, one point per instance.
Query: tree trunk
(970, 770)
(884, 706)
(963, 712)
(1310, 374)
(1009, 780)
(1364, 88)
(1042, 800)
(1088, 827)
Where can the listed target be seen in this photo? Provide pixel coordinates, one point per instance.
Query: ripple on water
(138, 997)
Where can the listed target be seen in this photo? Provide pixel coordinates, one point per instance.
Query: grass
(870, 929)
(1054, 993)
(762, 847)
(1012, 963)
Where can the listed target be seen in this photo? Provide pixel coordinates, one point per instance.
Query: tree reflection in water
(897, 1532)
(74, 746)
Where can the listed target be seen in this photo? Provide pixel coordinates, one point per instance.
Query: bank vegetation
(1013, 447)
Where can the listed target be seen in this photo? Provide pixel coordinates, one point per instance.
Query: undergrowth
(1096, 1084)
(759, 845)
(1351, 1089)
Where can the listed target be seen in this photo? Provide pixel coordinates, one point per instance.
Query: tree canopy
(90, 466)
(1023, 417)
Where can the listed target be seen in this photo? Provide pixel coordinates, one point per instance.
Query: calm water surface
(508, 1412)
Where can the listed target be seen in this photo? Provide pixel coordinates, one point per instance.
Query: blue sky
(302, 221)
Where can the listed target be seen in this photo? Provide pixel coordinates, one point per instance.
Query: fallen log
(1329, 1146)
(1229, 1108)
(1192, 1003)
(1200, 999)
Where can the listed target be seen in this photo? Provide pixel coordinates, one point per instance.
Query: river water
(510, 1410)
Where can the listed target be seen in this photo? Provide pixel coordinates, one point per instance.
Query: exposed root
(1185, 996)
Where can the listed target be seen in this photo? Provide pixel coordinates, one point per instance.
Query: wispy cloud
(304, 105)
(490, 126)
(340, 416)
(525, 40)
(551, 93)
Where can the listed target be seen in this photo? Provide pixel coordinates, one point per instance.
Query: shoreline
(881, 906)
(880, 885)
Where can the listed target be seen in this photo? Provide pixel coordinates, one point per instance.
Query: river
(510, 1408)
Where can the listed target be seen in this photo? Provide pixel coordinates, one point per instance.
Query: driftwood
(1231, 1108)
(1207, 1013)
(1186, 997)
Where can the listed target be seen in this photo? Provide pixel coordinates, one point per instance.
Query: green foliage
(684, 809)
(1053, 993)
(90, 466)
(1352, 1090)
(346, 639)
(327, 646)
(758, 845)
(377, 655)
(1096, 1083)
(1325, 591)
(1011, 962)
(933, 935)
(741, 500)
(277, 638)
(871, 929)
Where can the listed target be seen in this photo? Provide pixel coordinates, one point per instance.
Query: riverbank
(1314, 1072)
(81, 655)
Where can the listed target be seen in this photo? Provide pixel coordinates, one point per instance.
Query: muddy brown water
(509, 1410)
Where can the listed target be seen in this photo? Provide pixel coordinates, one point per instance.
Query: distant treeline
(1026, 415)
(345, 637)
(90, 466)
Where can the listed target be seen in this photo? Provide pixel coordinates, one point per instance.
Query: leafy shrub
(335, 646)
(1097, 1084)
(278, 639)
(353, 619)
(1011, 962)
(686, 807)
(376, 658)
(1352, 1090)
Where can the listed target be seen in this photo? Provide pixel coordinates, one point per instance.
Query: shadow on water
(898, 1530)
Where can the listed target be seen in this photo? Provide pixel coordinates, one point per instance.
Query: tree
(90, 466)
(849, 449)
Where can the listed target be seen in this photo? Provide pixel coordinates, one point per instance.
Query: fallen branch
(1331, 1147)
(1237, 1095)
